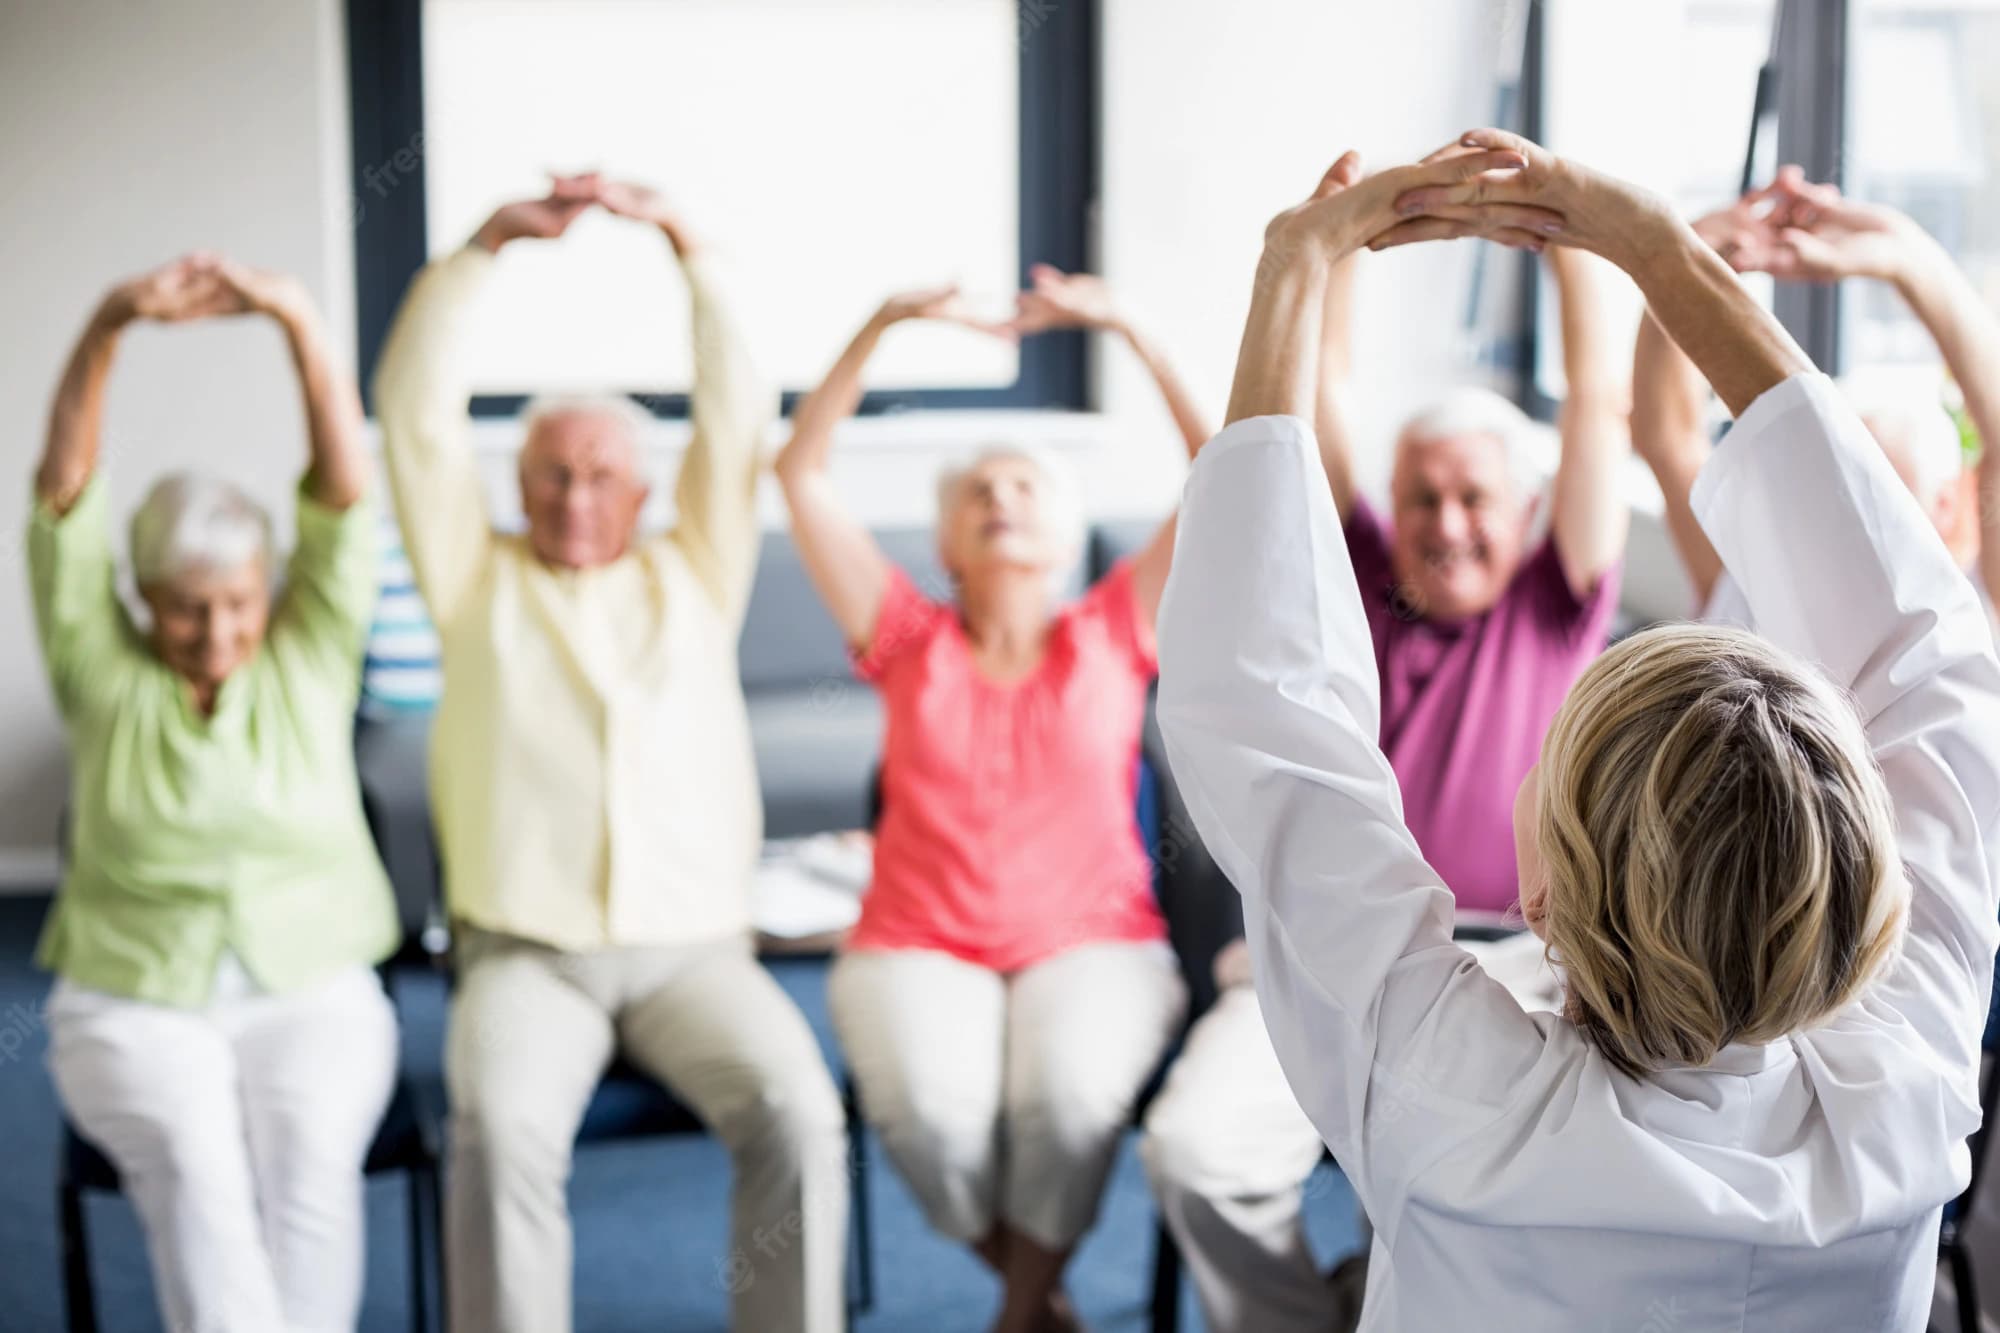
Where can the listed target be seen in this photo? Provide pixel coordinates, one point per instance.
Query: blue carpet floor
(651, 1216)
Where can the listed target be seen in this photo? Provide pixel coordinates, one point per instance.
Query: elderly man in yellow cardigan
(597, 803)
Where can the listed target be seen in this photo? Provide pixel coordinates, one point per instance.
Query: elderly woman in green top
(217, 1028)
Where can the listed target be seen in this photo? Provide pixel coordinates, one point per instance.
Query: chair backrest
(1203, 910)
(788, 638)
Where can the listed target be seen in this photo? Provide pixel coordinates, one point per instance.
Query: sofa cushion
(816, 749)
(788, 638)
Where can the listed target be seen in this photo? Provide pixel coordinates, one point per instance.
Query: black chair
(409, 1140)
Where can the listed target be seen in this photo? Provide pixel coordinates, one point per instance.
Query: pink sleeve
(1368, 552)
(1113, 607)
(1557, 607)
(903, 625)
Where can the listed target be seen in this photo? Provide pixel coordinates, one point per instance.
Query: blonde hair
(1719, 850)
(189, 523)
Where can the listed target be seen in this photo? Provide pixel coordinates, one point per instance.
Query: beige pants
(532, 1030)
(1003, 1097)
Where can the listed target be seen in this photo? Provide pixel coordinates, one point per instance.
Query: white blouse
(1515, 1179)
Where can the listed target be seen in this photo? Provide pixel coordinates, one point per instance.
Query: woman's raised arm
(840, 555)
(1057, 300)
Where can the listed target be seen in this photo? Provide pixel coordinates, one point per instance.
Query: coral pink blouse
(1007, 832)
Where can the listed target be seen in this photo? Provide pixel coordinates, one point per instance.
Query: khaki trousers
(532, 1031)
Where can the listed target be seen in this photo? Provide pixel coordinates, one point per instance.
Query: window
(953, 143)
(1665, 94)
(1922, 130)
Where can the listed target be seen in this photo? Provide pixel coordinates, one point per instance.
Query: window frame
(1059, 182)
(1804, 85)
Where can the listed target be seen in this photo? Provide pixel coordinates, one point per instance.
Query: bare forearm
(685, 245)
(1968, 337)
(1277, 363)
(1581, 280)
(1668, 432)
(69, 458)
(1732, 341)
(1336, 367)
(1966, 331)
(338, 475)
(1667, 398)
(835, 400)
(1589, 516)
(1188, 417)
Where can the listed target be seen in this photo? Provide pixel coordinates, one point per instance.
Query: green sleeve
(85, 632)
(330, 587)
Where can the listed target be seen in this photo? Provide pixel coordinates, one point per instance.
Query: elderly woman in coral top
(1009, 987)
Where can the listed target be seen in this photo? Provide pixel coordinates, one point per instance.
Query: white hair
(628, 415)
(190, 523)
(1061, 499)
(1472, 410)
(1906, 414)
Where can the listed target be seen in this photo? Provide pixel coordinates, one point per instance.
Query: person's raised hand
(946, 304)
(1820, 235)
(186, 289)
(1519, 226)
(629, 199)
(1348, 210)
(1743, 230)
(261, 291)
(542, 219)
(643, 203)
(1584, 207)
(1059, 300)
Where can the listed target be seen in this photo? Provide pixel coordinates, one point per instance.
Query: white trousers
(239, 1131)
(532, 1030)
(1003, 1097)
(1229, 1152)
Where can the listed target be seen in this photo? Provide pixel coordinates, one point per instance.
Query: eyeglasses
(557, 480)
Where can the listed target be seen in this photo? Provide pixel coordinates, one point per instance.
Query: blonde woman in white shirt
(1765, 866)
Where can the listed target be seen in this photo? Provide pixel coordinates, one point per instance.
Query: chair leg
(1964, 1295)
(862, 1225)
(439, 1252)
(419, 1255)
(1166, 1281)
(79, 1301)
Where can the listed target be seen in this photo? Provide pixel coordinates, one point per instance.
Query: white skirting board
(27, 870)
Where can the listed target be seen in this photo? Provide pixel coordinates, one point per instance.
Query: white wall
(135, 131)
(131, 133)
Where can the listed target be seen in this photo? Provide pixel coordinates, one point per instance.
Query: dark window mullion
(1812, 131)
